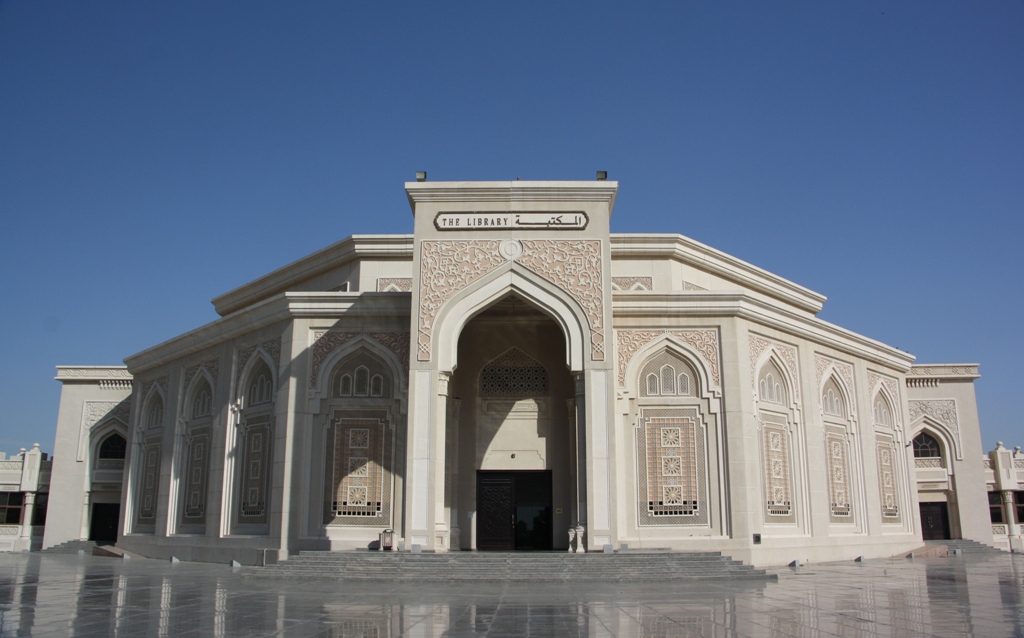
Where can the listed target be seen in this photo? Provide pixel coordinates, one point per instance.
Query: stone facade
(513, 374)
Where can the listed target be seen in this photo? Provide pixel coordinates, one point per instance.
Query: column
(452, 474)
(26, 517)
(438, 435)
(579, 380)
(84, 533)
(1010, 516)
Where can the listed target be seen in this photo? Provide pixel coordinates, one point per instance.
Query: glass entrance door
(513, 510)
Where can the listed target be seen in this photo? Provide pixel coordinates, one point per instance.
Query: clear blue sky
(156, 154)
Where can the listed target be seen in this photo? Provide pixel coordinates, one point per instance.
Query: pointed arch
(153, 410)
(547, 297)
(773, 384)
(782, 375)
(201, 381)
(700, 385)
(834, 399)
(883, 410)
(387, 357)
(258, 357)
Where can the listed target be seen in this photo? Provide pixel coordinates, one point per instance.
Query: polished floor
(91, 596)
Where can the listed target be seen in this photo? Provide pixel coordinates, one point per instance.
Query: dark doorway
(513, 510)
(103, 527)
(934, 521)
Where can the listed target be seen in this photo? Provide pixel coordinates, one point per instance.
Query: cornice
(281, 307)
(716, 262)
(945, 370)
(337, 254)
(657, 306)
(92, 373)
(464, 192)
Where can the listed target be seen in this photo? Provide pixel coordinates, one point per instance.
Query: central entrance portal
(514, 510)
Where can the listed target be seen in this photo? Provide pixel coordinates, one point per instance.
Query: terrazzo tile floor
(973, 595)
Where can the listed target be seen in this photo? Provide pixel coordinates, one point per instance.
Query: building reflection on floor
(90, 596)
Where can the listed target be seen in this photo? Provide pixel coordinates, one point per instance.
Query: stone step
(487, 566)
(73, 547)
(966, 546)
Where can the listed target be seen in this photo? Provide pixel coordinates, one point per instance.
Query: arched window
(926, 446)
(770, 385)
(113, 447)
(652, 385)
(883, 415)
(362, 381)
(361, 375)
(832, 402)
(202, 399)
(666, 375)
(261, 386)
(155, 412)
(668, 380)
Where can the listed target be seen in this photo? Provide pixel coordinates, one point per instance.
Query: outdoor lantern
(387, 539)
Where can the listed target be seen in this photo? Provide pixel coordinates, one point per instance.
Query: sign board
(532, 220)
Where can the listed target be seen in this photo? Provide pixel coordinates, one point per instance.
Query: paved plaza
(54, 595)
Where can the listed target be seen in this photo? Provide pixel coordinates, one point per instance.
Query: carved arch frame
(179, 459)
(878, 386)
(547, 297)
(709, 400)
(239, 413)
(321, 405)
(137, 443)
(853, 441)
(796, 439)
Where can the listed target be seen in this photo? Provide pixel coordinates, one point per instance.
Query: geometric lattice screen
(888, 485)
(359, 462)
(671, 467)
(840, 510)
(778, 482)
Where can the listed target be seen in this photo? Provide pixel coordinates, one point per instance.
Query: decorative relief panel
(840, 510)
(446, 267)
(160, 382)
(693, 287)
(394, 284)
(942, 411)
(255, 470)
(703, 340)
(845, 370)
(324, 343)
(671, 462)
(271, 346)
(786, 353)
(359, 469)
(888, 473)
(778, 482)
(196, 477)
(891, 385)
(149, 483)
(212, 366)
(632, 283)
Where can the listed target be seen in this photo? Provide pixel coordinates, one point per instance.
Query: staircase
(966, 546)
(73, 547)
(518, 566)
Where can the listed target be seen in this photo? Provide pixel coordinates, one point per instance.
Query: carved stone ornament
(394, 284)
(942, 411)
(212, 366)
(845, 370)
(786, 353)
(703, 340)
(447, 267)
(95, 411)
(160, 382)
(632, 283)
(271, 346)
(324, 343)
(874, 379)
(693, 287)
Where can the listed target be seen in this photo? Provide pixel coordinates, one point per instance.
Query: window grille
(514, 374)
